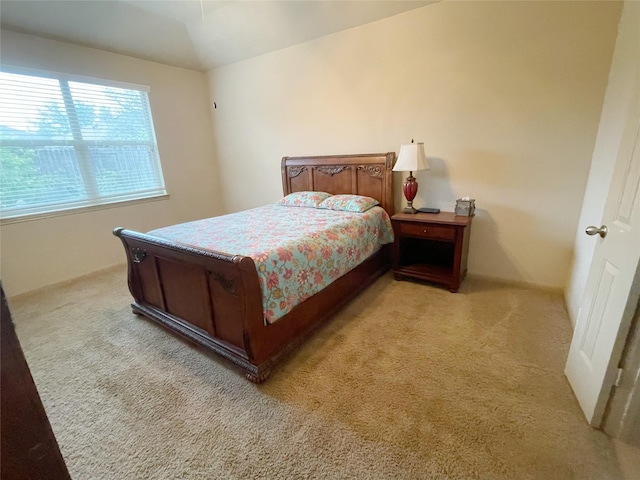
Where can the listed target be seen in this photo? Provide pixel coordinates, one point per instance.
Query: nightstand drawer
(421, 230)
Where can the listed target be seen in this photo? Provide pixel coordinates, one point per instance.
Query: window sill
(76, 210)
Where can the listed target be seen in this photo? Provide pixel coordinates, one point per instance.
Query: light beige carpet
(407, 382)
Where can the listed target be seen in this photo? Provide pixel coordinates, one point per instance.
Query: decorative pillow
(304, 199)
(349, 203)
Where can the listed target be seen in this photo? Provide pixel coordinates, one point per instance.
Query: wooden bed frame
(214, 298)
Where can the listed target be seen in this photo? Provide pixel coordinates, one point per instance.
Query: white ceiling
(192, 33)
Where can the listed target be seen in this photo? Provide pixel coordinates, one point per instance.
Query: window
(67, 144)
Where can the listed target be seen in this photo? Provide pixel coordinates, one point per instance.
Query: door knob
(591, 230)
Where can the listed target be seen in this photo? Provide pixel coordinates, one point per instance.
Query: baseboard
(516, 283)
(112, 268)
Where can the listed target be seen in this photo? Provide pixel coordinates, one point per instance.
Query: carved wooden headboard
(367, 174)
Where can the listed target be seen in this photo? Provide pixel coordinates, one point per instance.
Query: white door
(604, 317)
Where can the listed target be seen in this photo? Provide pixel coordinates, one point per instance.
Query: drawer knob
(425, 230)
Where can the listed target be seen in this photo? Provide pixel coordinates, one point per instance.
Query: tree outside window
(68, 144)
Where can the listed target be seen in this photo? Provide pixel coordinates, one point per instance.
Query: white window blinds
(67, 144)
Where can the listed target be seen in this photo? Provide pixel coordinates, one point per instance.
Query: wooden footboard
(214, 299)
(211, 298)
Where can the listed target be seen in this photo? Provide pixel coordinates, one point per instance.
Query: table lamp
(411, 159)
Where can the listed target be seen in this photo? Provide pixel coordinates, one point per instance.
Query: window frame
(93, 200)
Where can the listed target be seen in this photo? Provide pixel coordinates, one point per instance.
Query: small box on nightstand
(465, 207)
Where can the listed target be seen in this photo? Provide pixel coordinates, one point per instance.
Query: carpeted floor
(407, 382)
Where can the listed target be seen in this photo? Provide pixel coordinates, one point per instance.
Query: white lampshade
(411, 158)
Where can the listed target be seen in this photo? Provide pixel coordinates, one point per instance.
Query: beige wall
(625, 64)
(506, 97)
(42, 252)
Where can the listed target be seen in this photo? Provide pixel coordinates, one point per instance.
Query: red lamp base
(410, 189)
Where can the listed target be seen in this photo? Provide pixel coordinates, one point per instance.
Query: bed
(215, 298)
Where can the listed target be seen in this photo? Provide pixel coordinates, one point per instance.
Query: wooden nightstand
(431, 247)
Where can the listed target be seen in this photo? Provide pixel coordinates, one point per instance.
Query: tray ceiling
(192, 34)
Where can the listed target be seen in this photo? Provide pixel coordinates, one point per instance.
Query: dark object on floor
(29, 448)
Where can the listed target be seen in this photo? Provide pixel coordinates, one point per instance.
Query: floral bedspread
(297, 251)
